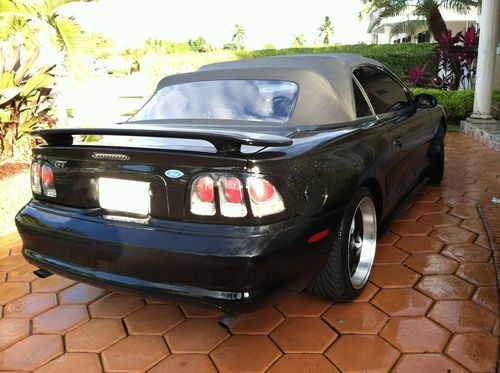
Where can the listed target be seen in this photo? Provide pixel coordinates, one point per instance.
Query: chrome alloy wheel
(362, 243)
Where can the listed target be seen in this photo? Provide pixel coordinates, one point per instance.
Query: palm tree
(427, 11)
(43, 18)
(238, 35)
(298, 41)
(326, 31)
(411, 27)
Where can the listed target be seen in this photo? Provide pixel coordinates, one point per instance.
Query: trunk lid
(166, 158)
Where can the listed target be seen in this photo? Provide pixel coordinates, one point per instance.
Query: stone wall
(488, 134)
(15, 192)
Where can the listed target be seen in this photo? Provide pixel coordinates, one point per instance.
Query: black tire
(333, 281)
(436, 158)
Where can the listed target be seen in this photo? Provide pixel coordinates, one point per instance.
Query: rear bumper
(234, 268)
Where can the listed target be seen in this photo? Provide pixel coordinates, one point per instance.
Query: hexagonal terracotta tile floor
(431, 305)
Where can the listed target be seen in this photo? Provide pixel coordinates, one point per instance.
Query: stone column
(385, 38)
(488, 41)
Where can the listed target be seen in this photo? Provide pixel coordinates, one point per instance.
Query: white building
(383, 33)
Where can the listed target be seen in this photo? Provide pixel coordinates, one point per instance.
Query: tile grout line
(491, 239)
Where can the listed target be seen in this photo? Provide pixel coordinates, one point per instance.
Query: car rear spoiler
(222, 140)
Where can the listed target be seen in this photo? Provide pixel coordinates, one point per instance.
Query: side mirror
(425, 101)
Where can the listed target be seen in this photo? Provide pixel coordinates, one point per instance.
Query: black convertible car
(236, 184)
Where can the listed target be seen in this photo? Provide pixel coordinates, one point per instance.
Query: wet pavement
(431, 305)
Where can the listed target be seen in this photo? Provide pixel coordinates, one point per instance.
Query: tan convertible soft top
(325, 82)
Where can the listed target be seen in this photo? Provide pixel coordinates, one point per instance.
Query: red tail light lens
(205, 189)
(203, 196)
(36, 173)
(48, 185)
(233, 189)
(232, 202)
(264, 198)
(261, 190)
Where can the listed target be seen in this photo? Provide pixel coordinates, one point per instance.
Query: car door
(405, 128)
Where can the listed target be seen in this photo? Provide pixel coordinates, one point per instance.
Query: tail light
(264, 198)
(232, 200)
(36, 172)
(48, 185)
(233, 197)
(202, 196)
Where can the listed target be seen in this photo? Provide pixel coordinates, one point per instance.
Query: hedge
(457, 104)
(399, 58)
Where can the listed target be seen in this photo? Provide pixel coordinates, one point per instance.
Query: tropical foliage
(457, 104)
(400, 58)
(97, 45)
(25, 104)
(427, 10)
(41, 21)
(162, 46)
(230, 47)
(268, 46)
(419, 76)
(409, 27)
(326, 31)
(238, 36)
(199, 45)
(298, 41)
(457, 59)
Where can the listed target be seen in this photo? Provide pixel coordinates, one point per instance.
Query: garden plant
(25, 104)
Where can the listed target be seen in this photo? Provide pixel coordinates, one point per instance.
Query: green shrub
(120, 72)
(399, 58)
(230, 47)
(496, 97)
(25, 104)
(457, 104)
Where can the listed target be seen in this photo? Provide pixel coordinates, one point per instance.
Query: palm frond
(2, 62)
(69, 37)
(410, 27)
(375, 22)
(16, 8)
(52, 6)
(460, 6)
(24, 68)
(380, 9)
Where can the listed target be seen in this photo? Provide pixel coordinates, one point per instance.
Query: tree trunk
(435, 22)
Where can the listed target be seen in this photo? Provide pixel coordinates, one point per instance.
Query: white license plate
(124, 195)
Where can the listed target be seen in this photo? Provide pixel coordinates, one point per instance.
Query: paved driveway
(431, 305)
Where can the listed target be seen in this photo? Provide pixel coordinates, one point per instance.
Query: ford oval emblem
(174, 174)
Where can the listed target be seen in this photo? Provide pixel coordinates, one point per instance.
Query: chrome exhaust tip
(228, 320)
(42, 273)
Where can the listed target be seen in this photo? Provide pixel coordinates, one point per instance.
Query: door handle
(398, 142)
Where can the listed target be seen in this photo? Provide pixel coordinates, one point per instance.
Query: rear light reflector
(233, 197)
(36, 173)
(48, 185)
(233, 189)
(318, 236)
(264, 198)
(202, 196)
(261, 190)
(205, 189)
(232, 201)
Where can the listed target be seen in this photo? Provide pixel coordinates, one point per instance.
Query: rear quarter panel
(323, 169)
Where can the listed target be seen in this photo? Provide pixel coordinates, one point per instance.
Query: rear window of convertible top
(247, 100)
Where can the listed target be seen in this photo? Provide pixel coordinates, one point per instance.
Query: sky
(130, 22)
